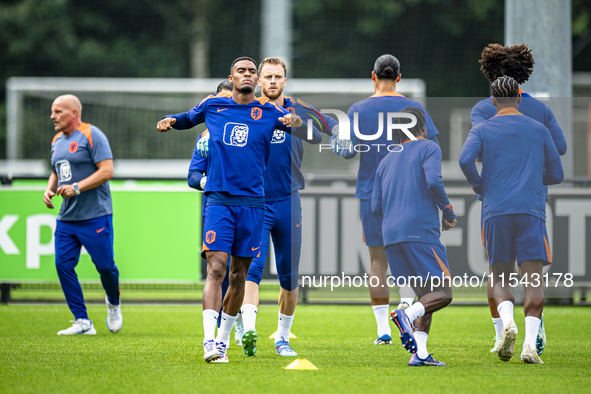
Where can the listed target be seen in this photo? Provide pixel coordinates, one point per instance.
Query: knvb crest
(235, 134)
(256, 113)
(210, 237)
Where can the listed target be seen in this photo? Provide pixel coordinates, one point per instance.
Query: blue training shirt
(282, 176)
(518, 158)
(409, 193)
(530, 107)
(239, 144)
(369, 116)
(74, 158)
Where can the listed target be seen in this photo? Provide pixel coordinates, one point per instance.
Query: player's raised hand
(291, 120)
(339, 146)
(47, 196)
(165, 124)
(447, 224)
(203, 146)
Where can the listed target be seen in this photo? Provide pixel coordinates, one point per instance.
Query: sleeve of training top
(555, 131)
(376, 198)
(325, 124)
(434, 139)
(553, 172)
(471, 151)
(186, 120)
(302, 133)
(194, 179)
(477, 115)
(101, 150)
(279, 113)
(304, 111)
(432, 171)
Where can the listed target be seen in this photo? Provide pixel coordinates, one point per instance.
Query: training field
(159, 351)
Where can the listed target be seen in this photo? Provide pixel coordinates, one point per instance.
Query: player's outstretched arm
(165, 124)
(325, 124)
(302, 133)
(345, 147)
(471, 151)
(291, 121)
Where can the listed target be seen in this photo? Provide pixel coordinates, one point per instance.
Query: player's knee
(448, 296)
(237, 279)
(288, 282)
(216, 270)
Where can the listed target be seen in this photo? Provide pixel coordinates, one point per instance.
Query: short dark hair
(242, 58)
(514, 61)
(505, 89)
(387, 67)
(399, 135)
(224, 85)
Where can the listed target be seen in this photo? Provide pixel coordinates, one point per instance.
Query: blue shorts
(234, 230)
(520, 237)
(417, 259)
(371, 224)
(283, 222)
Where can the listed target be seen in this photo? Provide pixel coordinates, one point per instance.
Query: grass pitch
(159, 351)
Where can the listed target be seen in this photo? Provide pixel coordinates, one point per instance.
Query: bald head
(70, 101)
(66, 113)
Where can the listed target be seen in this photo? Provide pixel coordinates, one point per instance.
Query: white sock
(505, 309)
(225, 329)
(415, 311)
(532, 325)
(249, 317)
(498, 323)
(407, 294)
(421, 338)
(210, 322)
(381, 314)
(283, 327)
(239, 318)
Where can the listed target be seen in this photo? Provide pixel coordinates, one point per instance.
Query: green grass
(159, 351)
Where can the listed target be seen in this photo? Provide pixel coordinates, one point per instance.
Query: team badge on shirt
(64, 171)
(73, 147)
(278, 137)
(235, 134)
(256, 113)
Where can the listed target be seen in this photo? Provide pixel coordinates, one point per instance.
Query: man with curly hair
(516, 62)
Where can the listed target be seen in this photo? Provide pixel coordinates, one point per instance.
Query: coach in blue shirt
(82, 165)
